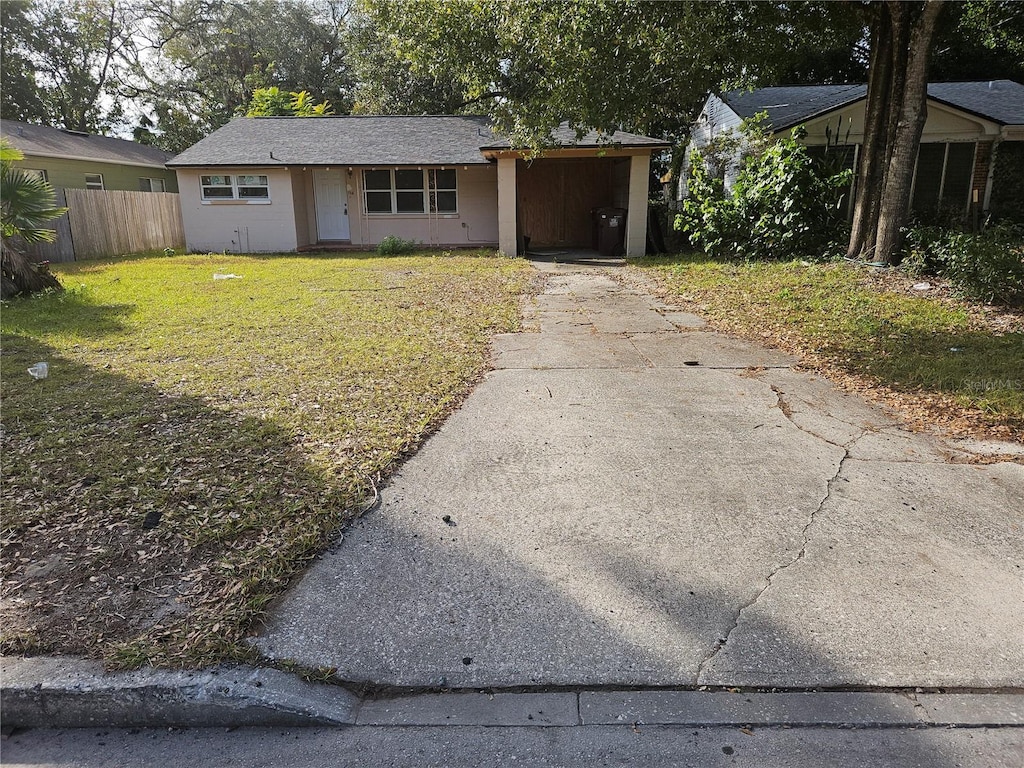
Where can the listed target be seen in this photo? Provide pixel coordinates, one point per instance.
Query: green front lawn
(947, 361)
(198, 440)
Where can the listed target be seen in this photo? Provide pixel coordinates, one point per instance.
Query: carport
(550, 197)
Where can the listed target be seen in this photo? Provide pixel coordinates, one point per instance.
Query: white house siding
(236, 226)
(475, 224)
(716, 118)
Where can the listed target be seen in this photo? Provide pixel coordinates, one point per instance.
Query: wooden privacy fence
(112, 222)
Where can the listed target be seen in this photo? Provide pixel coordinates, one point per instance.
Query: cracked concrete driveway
(631, 499)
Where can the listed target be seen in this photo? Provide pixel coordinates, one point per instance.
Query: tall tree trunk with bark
(872, 165)
(899, 175)
(895, 111)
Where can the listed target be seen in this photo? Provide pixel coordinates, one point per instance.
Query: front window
(39, 174)
(241, 187)
(443, 194)
(407, 190)
(94, 181)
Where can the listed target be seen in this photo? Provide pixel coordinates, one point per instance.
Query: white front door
(331, 205)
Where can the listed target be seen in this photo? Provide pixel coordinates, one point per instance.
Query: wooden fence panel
(62, 249)
(113, 222)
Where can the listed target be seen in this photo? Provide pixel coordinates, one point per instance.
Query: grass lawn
(197, 441)
(940, 360)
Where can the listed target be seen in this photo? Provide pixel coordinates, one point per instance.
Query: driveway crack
(787, 411)
(722, 642)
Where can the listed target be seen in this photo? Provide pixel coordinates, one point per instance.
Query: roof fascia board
(82, 158)
(615, 150)
(448, 164)
(991, 126)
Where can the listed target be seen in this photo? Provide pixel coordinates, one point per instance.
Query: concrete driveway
(632, 499)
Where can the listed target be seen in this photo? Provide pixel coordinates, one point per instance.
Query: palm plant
(26, 204)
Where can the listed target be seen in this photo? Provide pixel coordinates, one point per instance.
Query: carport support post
(508, 243)
(636, 219)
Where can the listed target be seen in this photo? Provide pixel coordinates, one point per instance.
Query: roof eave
(87, 159)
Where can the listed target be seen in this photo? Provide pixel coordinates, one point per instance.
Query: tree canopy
(171, 71)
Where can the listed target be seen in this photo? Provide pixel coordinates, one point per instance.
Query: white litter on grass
(39, 371)
(922, 286)
(219, 276)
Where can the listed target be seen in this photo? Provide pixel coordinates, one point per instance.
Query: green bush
(395, 246)
(988, 267)
(784, 205)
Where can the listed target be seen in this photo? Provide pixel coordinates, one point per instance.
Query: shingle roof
(1001, 101)
(377, 140)
(792, 104)
(565, 136)
(53, 142)
(367, 140)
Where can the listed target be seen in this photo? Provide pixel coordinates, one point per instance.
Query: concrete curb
(72, 693)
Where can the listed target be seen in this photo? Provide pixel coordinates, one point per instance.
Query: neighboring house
(274, 184)
(968, 125)
(76, 160)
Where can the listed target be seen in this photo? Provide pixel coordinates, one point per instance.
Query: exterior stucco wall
(475, 224)
(70, 174)
(237, 226)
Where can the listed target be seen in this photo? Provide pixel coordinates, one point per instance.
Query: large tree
(642, 66)
(20, 98)
(204, 59)
(902, 34)
(62, 61)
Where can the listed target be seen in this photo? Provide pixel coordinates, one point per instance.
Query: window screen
(217, 187)
(957, 186)
(928, 178)
(377, 186)
(409, 191)
(443, 194)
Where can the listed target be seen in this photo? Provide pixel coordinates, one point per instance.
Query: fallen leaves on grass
(938, 362)
(197, 443)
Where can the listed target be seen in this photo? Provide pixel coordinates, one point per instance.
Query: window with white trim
(235, 187)
(151, 185)
(94, 181)
(39, 174)
(410, 190)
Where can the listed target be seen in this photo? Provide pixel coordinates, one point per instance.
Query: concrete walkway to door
(632, 499)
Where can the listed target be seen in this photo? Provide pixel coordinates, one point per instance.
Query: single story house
(276, 184)
(77, 160)
(968, 124)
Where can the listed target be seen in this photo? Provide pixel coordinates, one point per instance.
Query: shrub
(395, 246)
(784, 205)
(988, 267)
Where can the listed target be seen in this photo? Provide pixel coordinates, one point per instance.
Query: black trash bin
(610, 226)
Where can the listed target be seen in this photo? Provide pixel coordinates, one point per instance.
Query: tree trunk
(20, 276)
(901, 38)
(871, 169)
(913, 112)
